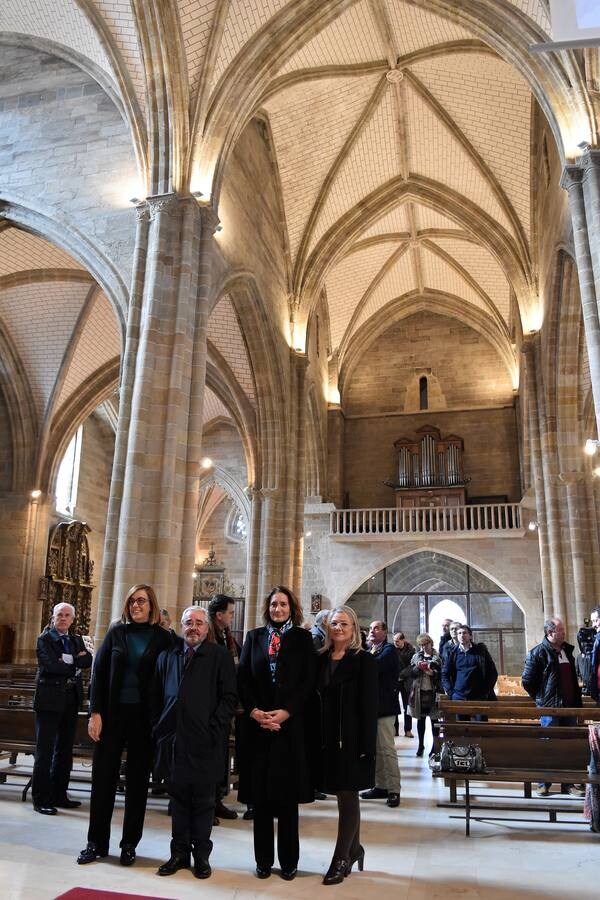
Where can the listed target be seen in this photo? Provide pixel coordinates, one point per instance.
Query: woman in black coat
(347, 690)
(119, 717)
(275, 679)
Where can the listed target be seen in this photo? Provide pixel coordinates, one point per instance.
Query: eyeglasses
(138, 601)
(341, 625)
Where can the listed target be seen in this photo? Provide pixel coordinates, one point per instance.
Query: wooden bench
(517, 749)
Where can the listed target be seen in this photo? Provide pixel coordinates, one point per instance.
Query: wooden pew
(517, 749)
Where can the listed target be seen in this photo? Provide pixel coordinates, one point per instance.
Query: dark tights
(421, 729)
(348, 837)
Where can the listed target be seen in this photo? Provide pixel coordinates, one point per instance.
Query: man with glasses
(193, 699)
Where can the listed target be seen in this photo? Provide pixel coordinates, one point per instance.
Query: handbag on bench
(456, 758)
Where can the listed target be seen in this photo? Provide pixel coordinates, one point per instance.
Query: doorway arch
(415, 593)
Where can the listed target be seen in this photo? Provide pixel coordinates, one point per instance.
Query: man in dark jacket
(468, 670)
(549, 677)
(387, 771)
(57, 700)
(193, 699)
(221, 610)
(594, 674)
(446, 636)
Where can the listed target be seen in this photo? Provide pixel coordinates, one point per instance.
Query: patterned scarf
(275, 635)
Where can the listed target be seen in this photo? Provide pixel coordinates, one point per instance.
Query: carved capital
(590, 159)
(163, 203)
(571, 479)
(529, 343)
(210, 220)
(571, 177)
(142, 212)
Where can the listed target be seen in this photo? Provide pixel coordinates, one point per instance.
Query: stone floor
(413, 853)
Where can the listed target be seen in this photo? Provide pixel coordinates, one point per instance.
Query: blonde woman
(346, 721)
(426, 667)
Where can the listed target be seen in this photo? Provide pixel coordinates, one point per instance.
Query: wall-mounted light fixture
(533, 525)
(36, 493)
(591, 446)
(206, 462)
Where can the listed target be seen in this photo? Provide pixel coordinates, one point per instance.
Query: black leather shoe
(91, 853)
(288, 874)
(127, 855)
(337, 871)
(357, 857)
(202, 869)
(374, 794)
(393, 799)
(66, 803)
(223, 812)
(46, 810)
(263, 871)
(173, 865)
(319, 795)
(249, 814)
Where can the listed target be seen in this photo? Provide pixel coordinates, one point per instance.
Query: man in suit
(193, 699)
(57, 700)
(387, 771)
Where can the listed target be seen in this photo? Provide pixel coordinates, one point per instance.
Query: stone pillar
(335, 455)
(251, 613)
(577, 528)
(26, 522)
(297, 467)
(572, 181)
(536, 469)
(154, 497)
(549, 464)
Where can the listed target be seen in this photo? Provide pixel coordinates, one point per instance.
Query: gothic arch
(15, 389)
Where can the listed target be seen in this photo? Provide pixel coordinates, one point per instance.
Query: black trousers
(54, 736)
(288, 844)
(129, 728)
(192, 814)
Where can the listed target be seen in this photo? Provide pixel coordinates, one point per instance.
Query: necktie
(189, 654)
(66, 643)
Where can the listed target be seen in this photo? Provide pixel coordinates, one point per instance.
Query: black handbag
(456, 758)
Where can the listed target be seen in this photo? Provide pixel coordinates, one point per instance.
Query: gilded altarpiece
(69, 572)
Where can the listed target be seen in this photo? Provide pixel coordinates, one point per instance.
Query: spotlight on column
(596, 471)
(591, 446)
(206, 463)
(533, 525)
(36, 493)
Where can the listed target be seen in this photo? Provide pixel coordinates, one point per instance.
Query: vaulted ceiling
(402, 138)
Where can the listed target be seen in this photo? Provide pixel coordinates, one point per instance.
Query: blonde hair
(424, 639)
(355, 643)
(154, 616)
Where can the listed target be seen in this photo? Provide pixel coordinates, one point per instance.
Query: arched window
(423, 399)
(68, 476)
(236, 527)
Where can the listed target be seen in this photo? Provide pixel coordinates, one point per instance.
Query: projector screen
(575, 20)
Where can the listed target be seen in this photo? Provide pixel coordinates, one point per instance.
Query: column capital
(571, 176)
(590, 159)
(209, 218)
(530, 342)
(164, 203)
(571, 478)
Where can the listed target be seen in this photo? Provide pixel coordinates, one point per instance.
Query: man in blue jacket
(387, 771)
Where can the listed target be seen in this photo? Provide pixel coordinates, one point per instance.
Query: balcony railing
(439, 521)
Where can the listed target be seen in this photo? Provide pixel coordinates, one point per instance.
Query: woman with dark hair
(275, 679)
(119, 717)
(347, 691)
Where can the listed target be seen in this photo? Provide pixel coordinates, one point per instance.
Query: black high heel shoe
(337, 871)
(358, 858)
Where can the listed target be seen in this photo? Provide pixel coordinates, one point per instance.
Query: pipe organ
(430, 470)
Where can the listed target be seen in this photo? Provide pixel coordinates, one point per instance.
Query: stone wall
(65, 150)
(463, 368)
(6, 452)
(491, 458)
(232, 554)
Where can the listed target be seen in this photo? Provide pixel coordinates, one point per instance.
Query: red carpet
(79, 893)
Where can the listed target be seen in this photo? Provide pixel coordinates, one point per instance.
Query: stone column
(536, 469)
(549, 461)
(577, 527)
(572, 181)
(335, 455)
(297, 468)
(150, 532)
(251, 613)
